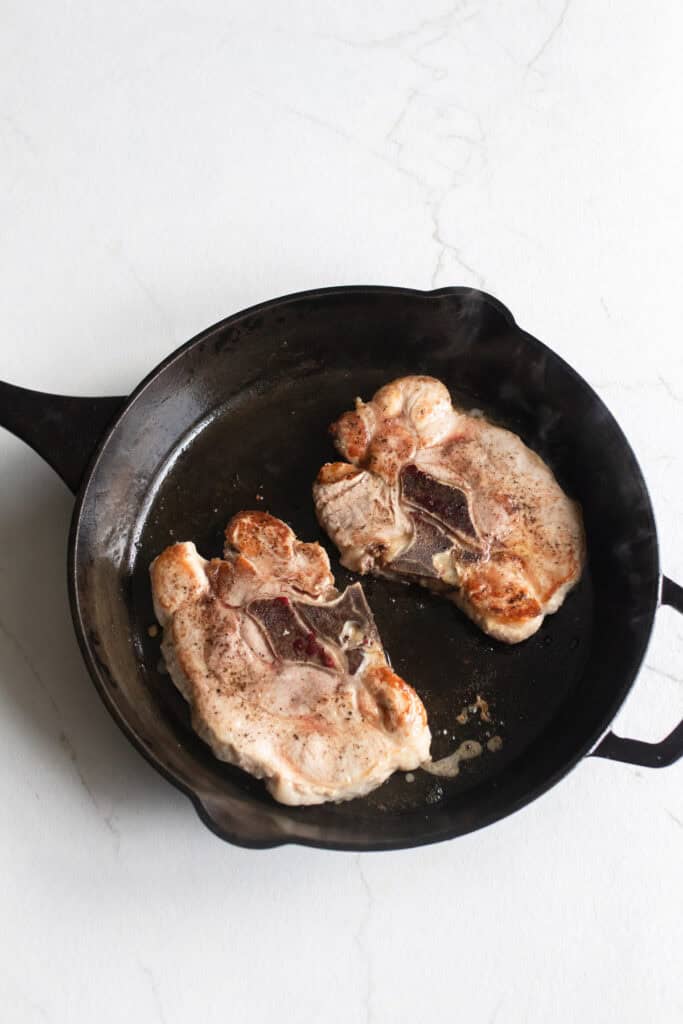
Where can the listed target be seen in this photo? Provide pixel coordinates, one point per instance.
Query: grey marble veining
(162, 166)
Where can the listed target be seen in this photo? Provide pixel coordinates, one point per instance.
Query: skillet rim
(651, 601)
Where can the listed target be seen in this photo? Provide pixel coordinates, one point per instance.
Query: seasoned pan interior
(239, 420)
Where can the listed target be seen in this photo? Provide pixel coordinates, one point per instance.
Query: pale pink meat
(284, 676)
(434, 495)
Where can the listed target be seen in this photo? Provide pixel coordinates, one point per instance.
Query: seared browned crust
(270, 545)
(333, 472)
(396, 701)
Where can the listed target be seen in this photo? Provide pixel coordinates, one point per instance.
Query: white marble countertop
(163, 165)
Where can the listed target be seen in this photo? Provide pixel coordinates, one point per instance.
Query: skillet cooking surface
(239, 420)
(282, 442)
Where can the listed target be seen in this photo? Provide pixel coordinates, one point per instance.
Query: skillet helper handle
(649, 755)
(63, 430)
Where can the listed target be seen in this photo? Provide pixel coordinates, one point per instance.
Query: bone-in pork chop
(284, 676)
(436, 496)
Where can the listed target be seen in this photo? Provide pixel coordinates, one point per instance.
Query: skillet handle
(63, 430)
(649, 755)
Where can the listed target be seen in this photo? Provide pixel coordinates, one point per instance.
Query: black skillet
(237, 418)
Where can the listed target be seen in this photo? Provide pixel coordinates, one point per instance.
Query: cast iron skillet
(237, 418)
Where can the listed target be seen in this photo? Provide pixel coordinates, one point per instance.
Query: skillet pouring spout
(65, 431)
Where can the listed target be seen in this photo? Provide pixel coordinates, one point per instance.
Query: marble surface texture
(163, 164)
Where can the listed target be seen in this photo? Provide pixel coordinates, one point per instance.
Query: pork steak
(285, 676)
(437, 496)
